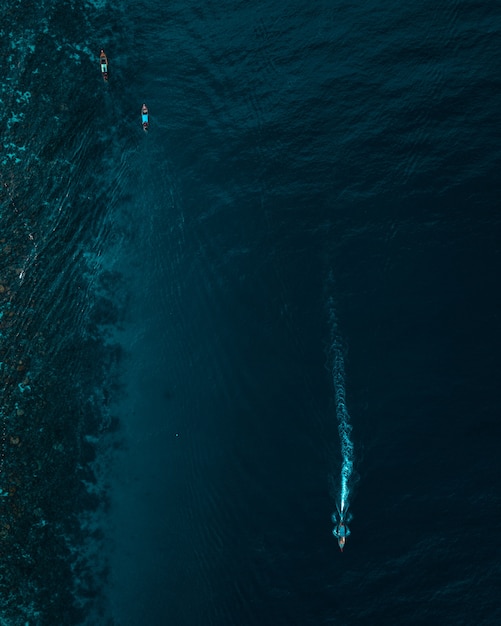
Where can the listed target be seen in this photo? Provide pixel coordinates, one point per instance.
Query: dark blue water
(319, 182)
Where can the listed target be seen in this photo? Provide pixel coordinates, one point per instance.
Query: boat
(103, 62)
(144, 117)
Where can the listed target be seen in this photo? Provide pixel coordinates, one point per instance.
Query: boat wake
(344, 487)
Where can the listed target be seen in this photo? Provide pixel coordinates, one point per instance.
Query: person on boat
(104, 64)
(144, 117)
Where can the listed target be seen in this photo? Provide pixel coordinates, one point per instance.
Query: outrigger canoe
(144, 117)
(103, 61)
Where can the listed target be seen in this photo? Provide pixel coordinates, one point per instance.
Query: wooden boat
(103, 62)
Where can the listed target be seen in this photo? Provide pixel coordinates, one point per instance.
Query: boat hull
(145, 120)
(103, 63)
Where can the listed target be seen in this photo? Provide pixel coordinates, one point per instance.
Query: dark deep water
(169, 414)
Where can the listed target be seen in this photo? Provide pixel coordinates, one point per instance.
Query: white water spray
(343, 419)
(344, 428)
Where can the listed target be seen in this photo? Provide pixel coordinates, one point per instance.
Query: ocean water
(280, 300)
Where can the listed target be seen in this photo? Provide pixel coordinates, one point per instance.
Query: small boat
(144, 117)
(103, 62)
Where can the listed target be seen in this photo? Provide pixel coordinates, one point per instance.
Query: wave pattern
(55, 312)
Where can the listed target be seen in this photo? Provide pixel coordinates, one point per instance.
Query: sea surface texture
(266, 327)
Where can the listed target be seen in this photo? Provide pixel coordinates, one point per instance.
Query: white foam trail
(344, 428)
(343, 417)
